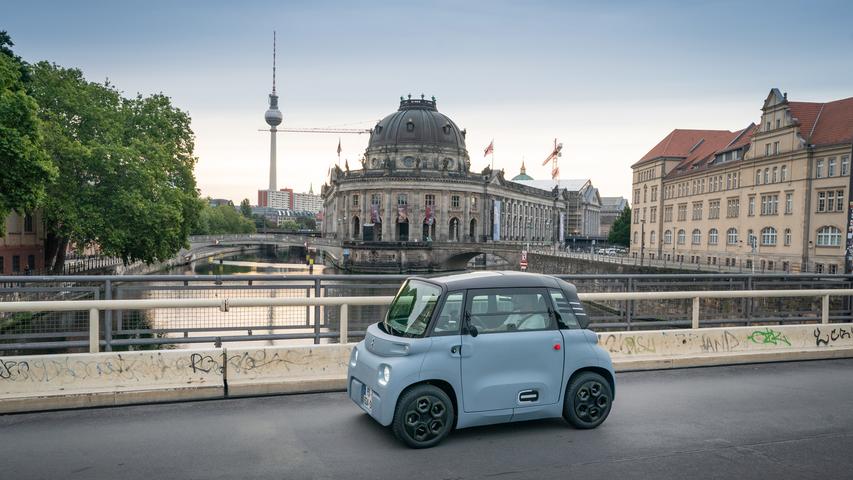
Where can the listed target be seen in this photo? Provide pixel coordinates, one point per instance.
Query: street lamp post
(642, 239)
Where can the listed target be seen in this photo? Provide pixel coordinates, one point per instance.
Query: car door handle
(456, 349)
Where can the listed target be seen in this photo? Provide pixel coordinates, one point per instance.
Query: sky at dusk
(608, 79)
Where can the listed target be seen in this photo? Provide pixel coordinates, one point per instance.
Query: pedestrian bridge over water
(373, 256)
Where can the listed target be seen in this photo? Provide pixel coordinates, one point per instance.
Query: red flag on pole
(490, 148)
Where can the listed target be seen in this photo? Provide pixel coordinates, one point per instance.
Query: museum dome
(417, 122)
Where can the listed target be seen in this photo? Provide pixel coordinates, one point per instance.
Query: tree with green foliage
(125, 180)
(620, 231)
(246, 208)
(222, 219)
(289, 226)
(25, 167)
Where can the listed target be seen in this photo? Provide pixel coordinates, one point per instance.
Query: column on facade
(443, 230)
(465, 228)
(388, 230)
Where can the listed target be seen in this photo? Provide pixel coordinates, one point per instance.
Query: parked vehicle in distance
(480, 348)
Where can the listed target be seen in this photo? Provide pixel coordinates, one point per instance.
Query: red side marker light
(556, 346)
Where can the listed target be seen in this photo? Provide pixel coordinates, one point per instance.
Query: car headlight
(353, 361)
(384, 375)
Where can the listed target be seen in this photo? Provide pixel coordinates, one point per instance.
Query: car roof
(493, 279)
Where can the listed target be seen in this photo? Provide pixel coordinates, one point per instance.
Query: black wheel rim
(591, 401)
(425, 418)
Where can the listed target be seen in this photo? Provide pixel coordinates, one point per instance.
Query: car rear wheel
(424, 416)
(588, 400)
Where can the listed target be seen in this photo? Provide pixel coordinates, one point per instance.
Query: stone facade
(773, 196)
(22, 246)
(416, 186)
(611, 208)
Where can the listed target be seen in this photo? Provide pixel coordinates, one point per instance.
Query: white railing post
(824, 309)
(94, 340)
(695, 312)
(344, 323)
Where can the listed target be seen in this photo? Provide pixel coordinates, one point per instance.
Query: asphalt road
(784, 420)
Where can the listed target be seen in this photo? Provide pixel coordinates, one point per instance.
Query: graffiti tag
(768, 336)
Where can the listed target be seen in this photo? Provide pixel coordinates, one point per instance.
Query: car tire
(423, 417)
(588, 400)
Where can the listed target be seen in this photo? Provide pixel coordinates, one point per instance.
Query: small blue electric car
(477, 349)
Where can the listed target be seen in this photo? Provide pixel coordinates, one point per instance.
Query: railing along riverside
(94, 307)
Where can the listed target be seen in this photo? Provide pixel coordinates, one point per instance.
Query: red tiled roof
(806, 113)
(833, 125)
(679, 142)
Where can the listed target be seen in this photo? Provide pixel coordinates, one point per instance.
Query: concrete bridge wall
(43, 382)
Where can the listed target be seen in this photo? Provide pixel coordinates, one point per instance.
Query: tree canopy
(620, 231)
(26, 168)
(221, 219)
(125, 165)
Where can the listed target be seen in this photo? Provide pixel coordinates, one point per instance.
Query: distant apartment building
(22, 246)
(611, 208)
(771, 196)
(277, 199)
(308, 202)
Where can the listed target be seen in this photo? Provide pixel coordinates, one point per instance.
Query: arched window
(652, 237)
(356, 228)
(784, 173)
(697, 237)
(768, 236)
(775, 174)
(682, 237)
(453, 229)
(828, 236)
(667, 237)
(472, 230)
(787, 236)
(635, 237)
(758, 177)
(731, 236)
(766, 175)
(713, 236)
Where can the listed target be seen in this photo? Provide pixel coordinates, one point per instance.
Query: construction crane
(357, 131)
(555, 154)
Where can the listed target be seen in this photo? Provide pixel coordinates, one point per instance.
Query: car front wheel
(588, 400)
(424, 416)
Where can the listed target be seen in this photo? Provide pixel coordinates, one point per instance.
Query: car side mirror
(471, 329)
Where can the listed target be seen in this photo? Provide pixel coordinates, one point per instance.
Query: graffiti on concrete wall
(629, 344)
(73, 369)
(717, 342)
(262, 359)
(828, 336)
(768, 336)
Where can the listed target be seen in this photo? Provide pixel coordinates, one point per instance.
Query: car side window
(564, 308)
(450, 318)
(509, 310)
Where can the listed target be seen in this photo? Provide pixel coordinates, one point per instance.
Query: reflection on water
(211, 322)
(271, 262)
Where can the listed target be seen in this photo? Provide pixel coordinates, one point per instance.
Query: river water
(209, 322)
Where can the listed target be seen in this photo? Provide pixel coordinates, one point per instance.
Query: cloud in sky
(609, 79)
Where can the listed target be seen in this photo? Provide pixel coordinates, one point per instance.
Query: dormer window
(778, 122)
(446, 128)
(768, 127)
(410, 125)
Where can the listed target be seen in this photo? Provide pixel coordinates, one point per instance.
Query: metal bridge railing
(317, 330)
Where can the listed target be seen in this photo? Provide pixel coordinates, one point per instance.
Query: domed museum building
(415, 194)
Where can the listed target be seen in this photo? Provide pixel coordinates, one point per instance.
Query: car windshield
(411, 309)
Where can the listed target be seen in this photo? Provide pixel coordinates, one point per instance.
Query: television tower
(273, 118)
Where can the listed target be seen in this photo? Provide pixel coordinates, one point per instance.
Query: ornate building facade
(772, 196)
(415, 187)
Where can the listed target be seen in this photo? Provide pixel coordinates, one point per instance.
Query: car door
(443, 358)
(516, 358)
